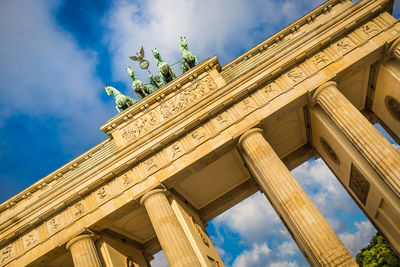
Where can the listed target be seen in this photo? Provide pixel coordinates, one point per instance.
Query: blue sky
(56, 57)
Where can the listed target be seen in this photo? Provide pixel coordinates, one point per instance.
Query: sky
(56, 57)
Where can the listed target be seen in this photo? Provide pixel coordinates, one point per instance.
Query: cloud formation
(224, 28)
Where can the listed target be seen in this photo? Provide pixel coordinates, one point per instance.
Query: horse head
(156, 54)
(183, 42)
(131, 73)
(108, 90)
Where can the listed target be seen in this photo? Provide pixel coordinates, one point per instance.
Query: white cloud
(254, 219)
(325, 191)
(45, 73)
(256, 256)
(223, 28)
(287, 248)
(354, 242)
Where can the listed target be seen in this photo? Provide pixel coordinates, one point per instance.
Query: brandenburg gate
(216, 135)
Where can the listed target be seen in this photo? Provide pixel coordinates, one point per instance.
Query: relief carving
(247, 104)
(343, 46)
(127, 179)
(369, 29)
(271, 90)
(359, 184)
(320, 59)
(175, 150)
(7, 253)
(78, 209)
(221, 118)
(295, 75)
(200, 232)
(54, 224)
(101, 193)
(167, 109)
(30, 239)
(150, 164)
(198, 135)
(214, 263)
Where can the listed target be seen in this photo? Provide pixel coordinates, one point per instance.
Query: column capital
(248, 133)
(321, 88)
(152, 192)
(394, 50)
(80, 237)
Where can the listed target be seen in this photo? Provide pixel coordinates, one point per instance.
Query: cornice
(285, 32)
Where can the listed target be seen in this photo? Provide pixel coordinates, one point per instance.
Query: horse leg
(119, 111)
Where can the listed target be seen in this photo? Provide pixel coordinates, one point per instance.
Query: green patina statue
(166, 73)
(123, 102)
(140, 88)
(156, 82)
(188, 59)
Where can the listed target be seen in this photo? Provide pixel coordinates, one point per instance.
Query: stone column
(173, 240)
(83, 251)
(315, 238)
(374, 147)
(394, 50)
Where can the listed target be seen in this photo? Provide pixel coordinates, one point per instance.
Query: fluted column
(172, 238)
(312, 233)
(375, 148)
(394, 50)
(83, 251)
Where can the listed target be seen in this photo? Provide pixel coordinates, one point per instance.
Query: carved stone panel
(271, 90)
(370, 29)
(55, 224)
(320, 60)
(7, 253)
(127, 179)
(30, 239)
(295, 75)
(166, 110)
(175, 150)
(214, 263)
(343, 46)
(78, 209)
(200, 231)
(359, 184)
(102, 194)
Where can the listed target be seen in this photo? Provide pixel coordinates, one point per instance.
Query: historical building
(214, 136)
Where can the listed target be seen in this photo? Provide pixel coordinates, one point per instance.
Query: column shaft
(382, 156)
(83, 251)
(312, 233)
(173, 240)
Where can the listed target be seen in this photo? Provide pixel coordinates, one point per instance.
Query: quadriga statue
(188, 59)
(166, 73)
(122, 102)
(141, 89)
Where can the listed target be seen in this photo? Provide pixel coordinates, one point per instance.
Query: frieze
(185, 145)
(167, 109)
